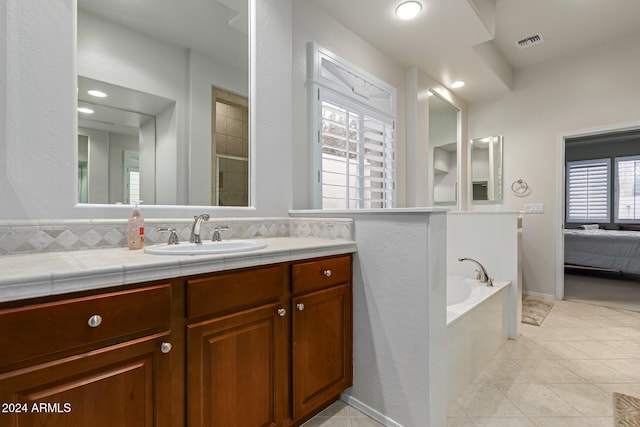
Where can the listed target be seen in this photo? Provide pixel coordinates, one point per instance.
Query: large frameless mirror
(486, 169)
(163, 108)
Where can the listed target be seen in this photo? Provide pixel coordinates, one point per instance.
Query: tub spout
(482, 275)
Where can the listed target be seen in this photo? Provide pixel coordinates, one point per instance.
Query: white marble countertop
(53, 273)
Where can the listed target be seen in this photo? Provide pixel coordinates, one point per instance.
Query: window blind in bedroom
(587, 190)
(627, 199)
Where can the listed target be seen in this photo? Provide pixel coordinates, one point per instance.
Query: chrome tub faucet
(481, 275)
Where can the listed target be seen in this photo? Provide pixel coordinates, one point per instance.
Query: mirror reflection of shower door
(232, 184)
(131, 177)
(83, 182)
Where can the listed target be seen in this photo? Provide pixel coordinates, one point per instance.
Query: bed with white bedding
(615, 250)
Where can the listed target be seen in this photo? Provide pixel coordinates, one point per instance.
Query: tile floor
(341, 415)
(561, 374)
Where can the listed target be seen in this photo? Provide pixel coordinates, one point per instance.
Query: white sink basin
(206, 248)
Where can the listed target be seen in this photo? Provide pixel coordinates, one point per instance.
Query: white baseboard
(382, 419)
(538, 294)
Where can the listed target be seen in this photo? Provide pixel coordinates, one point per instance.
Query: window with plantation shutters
(353, 130)
(357, 167)
(587, 190)
(627, 200)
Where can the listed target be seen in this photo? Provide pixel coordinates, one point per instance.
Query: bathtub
(477, 324)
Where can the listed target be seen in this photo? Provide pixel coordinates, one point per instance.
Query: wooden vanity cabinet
(265, 346)
(237, 361)
(100, 360)
(321, 333)
(269, 346)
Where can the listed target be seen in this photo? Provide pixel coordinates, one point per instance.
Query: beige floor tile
(598, 350)
(586, 398)
(627, 367)
(328, 422)
(562, 334)
(594, 371)
(560, 350)
(486, 400)
(631, 389)
(505, 371)
(455, 411)
(602, 333)
(631, 347)
(572, 421)
(537, 400)
(461, 422)
(503, 422)
(518, 349)
(550, 371)
(364, 422)
(627, 332)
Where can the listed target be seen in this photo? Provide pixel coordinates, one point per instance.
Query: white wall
(38, 159)
(312, 24)
(599, 87)
(491, 238)
(399, 315)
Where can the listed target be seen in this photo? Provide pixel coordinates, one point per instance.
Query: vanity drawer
(226, 292)
(322, 273)
(45, 329)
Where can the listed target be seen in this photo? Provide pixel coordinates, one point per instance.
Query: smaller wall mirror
(443, 143)
(486, 169)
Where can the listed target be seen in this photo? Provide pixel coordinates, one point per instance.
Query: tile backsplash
(20, 237)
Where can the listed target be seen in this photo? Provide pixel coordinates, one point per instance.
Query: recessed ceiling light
(408, 10)
(85, 110)
(458, 84)
(97, 93)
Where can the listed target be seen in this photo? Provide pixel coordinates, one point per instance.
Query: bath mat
(535, 310)
(626, 410)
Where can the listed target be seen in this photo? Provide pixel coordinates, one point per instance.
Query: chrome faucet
(195, 230)
(216, 233)
(481, 275)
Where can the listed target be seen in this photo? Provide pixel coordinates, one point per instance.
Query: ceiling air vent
(532, 40)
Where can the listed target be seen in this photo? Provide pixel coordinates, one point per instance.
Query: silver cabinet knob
(165, 347)
(300, 306)
(327, 273)
(282, 312)
(95, 320)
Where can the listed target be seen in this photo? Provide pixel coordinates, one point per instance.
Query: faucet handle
(173, 236)
(216, 232)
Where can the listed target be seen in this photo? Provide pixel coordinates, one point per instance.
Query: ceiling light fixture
(85, 110)
(408, 10)
(97, 93)
(458, 84)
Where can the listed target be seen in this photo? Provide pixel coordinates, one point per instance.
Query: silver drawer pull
(300, 306)
(95, 320)
(282, 312)
(165, 347)
(327, 273)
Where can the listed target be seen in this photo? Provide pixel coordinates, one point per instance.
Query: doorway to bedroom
(601, 218)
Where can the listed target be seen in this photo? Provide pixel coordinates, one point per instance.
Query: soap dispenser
(135, 233)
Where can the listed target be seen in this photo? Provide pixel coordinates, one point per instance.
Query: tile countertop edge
(104, 268)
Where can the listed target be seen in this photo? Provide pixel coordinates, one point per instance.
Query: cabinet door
(125, 385)
(322, 349)
(237, 369)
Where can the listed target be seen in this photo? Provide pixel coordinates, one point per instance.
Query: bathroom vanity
(265, 344)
